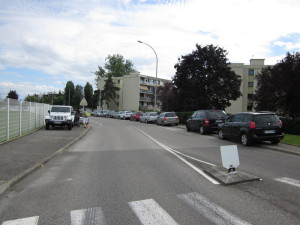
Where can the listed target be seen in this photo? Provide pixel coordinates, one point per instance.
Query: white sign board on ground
(230, 156)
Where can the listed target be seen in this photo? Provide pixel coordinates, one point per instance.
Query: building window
(250, 84)
(251, 72)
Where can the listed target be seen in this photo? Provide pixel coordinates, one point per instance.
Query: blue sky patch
(282, 45)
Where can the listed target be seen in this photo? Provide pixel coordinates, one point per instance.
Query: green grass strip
(291, 139)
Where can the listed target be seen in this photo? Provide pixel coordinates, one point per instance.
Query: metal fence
(18, 118)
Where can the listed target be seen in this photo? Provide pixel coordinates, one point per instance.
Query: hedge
(291, 126)
(183, 116)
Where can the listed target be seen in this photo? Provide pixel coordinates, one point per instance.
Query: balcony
(145, 99)
(147, 91)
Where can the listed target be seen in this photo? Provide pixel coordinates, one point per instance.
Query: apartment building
(248, 85)
(136, 92)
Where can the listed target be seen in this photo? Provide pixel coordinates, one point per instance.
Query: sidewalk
(23, 155)
(290, 149)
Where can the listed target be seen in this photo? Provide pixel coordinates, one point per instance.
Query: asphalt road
(126, 172)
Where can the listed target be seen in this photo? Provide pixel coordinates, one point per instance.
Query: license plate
(218, 121)
(57, 122)
(269, 132)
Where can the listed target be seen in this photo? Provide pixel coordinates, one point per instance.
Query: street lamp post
(155, 73)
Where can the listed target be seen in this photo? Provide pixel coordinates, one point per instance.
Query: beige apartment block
(248, 85)
(136, 92)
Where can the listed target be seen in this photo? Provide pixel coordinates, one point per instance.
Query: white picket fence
(19, 118)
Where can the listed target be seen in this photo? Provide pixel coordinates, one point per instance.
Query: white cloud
(68, 39)
(25, 88)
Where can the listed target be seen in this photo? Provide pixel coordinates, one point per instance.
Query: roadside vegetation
(291, 139)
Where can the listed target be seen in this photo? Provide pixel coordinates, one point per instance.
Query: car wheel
(275, 142)
(202, 131)
(245, 140)
(188, 128)
(221, 134)
(47, 126)
(70, 126)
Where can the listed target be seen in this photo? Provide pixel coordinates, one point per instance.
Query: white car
(122, 115)
(127, 115)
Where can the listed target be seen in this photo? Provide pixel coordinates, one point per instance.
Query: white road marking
(25, 221)
(172, 151)
(149, 212)
(91, 216)
(289, 181)
(210, 210)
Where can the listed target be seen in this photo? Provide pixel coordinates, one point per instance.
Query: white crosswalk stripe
(91, 216)
(289, 181)
(210, 210)
(24, 221)
(149, 212)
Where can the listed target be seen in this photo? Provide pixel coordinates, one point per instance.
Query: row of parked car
(249, 127)
(165, 118)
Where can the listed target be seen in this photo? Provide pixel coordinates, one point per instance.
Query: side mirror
(73, 113)
(48, 111)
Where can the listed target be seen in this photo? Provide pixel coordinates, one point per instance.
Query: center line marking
(174, 152)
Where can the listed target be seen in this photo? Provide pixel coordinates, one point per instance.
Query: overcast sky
(45, 43)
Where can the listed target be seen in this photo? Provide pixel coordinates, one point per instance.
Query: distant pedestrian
(85, 119)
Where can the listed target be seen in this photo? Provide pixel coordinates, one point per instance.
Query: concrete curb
(8, 184)
(282, 150)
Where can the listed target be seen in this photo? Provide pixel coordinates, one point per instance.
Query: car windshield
(217, 115)
(153, 114)
(60, 109)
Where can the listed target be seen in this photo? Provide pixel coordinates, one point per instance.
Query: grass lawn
(291, 139)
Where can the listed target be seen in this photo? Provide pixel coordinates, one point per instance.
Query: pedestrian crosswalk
(149, 212)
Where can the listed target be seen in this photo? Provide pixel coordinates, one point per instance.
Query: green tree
(69, 93)
(12, 94)
(59, 100)
(278, 87)
(115, 66)
(166, 94)
(109, 92)
(78, 95)
(204, 80)
(88, 94)
(96, 98)
(32, 98)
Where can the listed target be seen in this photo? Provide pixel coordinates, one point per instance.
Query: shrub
(183, 116)
(291, 126)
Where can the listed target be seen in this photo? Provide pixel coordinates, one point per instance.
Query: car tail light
(165, 118)
(252, 124)
(280, 122)
(206, 122)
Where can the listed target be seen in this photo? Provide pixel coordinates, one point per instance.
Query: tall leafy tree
(59, 100)
(96, 98)
(166, 94)
(109, 92)
(88, 94)
(78, 95)
(12, 94)
(204, 80)
(116, 66)
(278, 87)
(69, 93)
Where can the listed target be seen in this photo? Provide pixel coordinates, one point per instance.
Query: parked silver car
(166, 118)
(149, 117)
